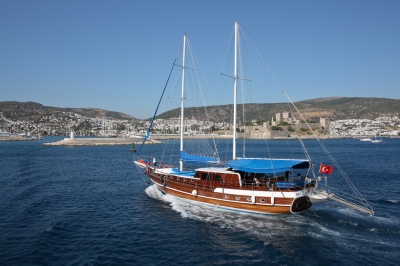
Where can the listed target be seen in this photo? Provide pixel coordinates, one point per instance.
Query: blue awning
(190, 158)
(267, 165)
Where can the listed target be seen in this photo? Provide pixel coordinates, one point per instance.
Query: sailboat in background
(256, 185)
(375, 140)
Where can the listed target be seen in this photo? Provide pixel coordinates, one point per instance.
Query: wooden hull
(238, 199)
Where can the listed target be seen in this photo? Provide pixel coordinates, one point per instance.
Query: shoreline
(98, 142)
(155, 139)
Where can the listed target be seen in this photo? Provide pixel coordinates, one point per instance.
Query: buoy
(194, 192)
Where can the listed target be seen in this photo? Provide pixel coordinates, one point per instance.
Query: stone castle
(283, 125)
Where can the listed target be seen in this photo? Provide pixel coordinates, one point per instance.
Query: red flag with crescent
(326, 169)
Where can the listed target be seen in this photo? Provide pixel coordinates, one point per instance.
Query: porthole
(249, 199)
(226, 196)
(178, 178)
(184, 179)
(192, 180)
(237, 198)
(262, 200)
(172, 178)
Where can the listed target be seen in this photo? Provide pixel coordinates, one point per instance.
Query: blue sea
(90, 206)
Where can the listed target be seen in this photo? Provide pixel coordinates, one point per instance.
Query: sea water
(90, 206)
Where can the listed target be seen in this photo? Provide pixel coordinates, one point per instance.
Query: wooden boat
(255, 185)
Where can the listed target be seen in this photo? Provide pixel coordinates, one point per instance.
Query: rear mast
(182, 100)
(235, 78)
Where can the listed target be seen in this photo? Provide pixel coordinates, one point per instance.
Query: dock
(99, 142)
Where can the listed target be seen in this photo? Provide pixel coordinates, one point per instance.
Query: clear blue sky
(117, 55)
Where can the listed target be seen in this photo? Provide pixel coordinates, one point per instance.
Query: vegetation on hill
(31, 111)
(333, 108)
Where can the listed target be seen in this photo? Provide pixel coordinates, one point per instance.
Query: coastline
(155, 139)
(98, 142)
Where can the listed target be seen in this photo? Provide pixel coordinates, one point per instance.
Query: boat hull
(261, 201)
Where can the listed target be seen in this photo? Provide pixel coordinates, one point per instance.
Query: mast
(235, 78)
(182, 99)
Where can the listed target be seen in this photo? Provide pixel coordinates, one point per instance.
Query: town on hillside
(281, 126)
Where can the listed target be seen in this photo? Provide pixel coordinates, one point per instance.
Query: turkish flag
(326, 169)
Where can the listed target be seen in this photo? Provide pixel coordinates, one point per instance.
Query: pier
(99, 142)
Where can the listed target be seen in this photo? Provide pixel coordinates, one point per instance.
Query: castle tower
(324, 122)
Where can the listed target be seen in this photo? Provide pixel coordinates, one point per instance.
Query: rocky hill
(334, 108)
(31, 111)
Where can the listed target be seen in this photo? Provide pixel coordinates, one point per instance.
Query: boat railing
(243, 184)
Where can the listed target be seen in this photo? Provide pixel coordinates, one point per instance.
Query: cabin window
(196, 174)
(237, 198)
(171, 177)
(262, 200)
(192, 180)
(205, 176)
(226, 196)
(178, 178)
(184, 179)
(217, 177)
(248, 199)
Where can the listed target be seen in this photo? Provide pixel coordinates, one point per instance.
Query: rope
(158, 105)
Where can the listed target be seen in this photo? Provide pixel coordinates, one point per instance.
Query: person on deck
(154, 162)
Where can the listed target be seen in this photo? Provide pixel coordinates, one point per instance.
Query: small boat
(375, 140)
(263, 185)
(133, 147)
(366, 139)
(4, 134)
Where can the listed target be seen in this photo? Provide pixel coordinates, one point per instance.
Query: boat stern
(300, 204)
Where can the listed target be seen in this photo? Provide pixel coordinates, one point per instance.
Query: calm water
(89, 206)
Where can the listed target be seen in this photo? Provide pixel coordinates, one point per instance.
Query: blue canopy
(267, 165)
(190, 158)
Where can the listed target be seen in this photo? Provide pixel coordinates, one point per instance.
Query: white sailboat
(375, 140)
(257, 185)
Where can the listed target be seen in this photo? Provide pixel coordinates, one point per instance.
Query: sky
(116, 55)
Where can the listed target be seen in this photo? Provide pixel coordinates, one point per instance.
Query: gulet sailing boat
(255, 185)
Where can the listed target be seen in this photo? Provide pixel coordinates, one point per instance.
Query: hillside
(334, 108)
(31, 111)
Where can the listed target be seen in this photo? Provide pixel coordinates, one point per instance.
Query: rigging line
(264, 86)
(287, 96)
(346, 177)
(257, 64)
(229, 49)
(358, 194)
(258, 109)
(242, 89)
(155, 113)
(202, 96)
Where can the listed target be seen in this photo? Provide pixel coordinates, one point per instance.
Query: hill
(31, 111)
(334, 108)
